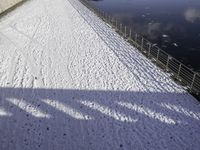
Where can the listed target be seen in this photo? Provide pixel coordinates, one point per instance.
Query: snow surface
(70, 82)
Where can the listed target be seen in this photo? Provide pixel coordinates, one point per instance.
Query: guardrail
(180, 72)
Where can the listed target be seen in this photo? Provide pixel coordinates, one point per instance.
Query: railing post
(179, 70)
(113, 22)
(116, 24)
(149, 50)
(167, 65)
(104, 16)
(142, 44)
(120, 28)
(124, 31)
(107, 17)
(130, 33)
(193, 79)
(135, 37)
(157, 57)
(136, 40)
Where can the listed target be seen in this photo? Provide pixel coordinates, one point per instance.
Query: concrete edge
(11, 8)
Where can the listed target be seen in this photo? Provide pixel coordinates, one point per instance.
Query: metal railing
(180, 72)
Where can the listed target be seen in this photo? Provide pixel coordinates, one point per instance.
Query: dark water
(172, 24)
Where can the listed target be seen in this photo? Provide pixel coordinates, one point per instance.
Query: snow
(69, 81)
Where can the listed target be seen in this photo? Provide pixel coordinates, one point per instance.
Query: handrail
(183, 74)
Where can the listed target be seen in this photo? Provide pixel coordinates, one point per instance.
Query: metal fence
(181, 73)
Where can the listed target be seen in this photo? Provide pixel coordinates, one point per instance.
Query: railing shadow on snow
(42, 118)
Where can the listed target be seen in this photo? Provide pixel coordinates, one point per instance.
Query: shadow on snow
(97, 119)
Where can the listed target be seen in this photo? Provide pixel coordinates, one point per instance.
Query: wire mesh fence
(184, 75)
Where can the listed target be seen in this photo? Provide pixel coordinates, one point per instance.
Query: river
(174, 25)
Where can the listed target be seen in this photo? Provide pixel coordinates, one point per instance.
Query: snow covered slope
(69, 82)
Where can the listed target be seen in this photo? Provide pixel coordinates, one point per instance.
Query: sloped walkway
(69, 82)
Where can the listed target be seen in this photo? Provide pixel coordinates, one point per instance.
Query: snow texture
(70, 82)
